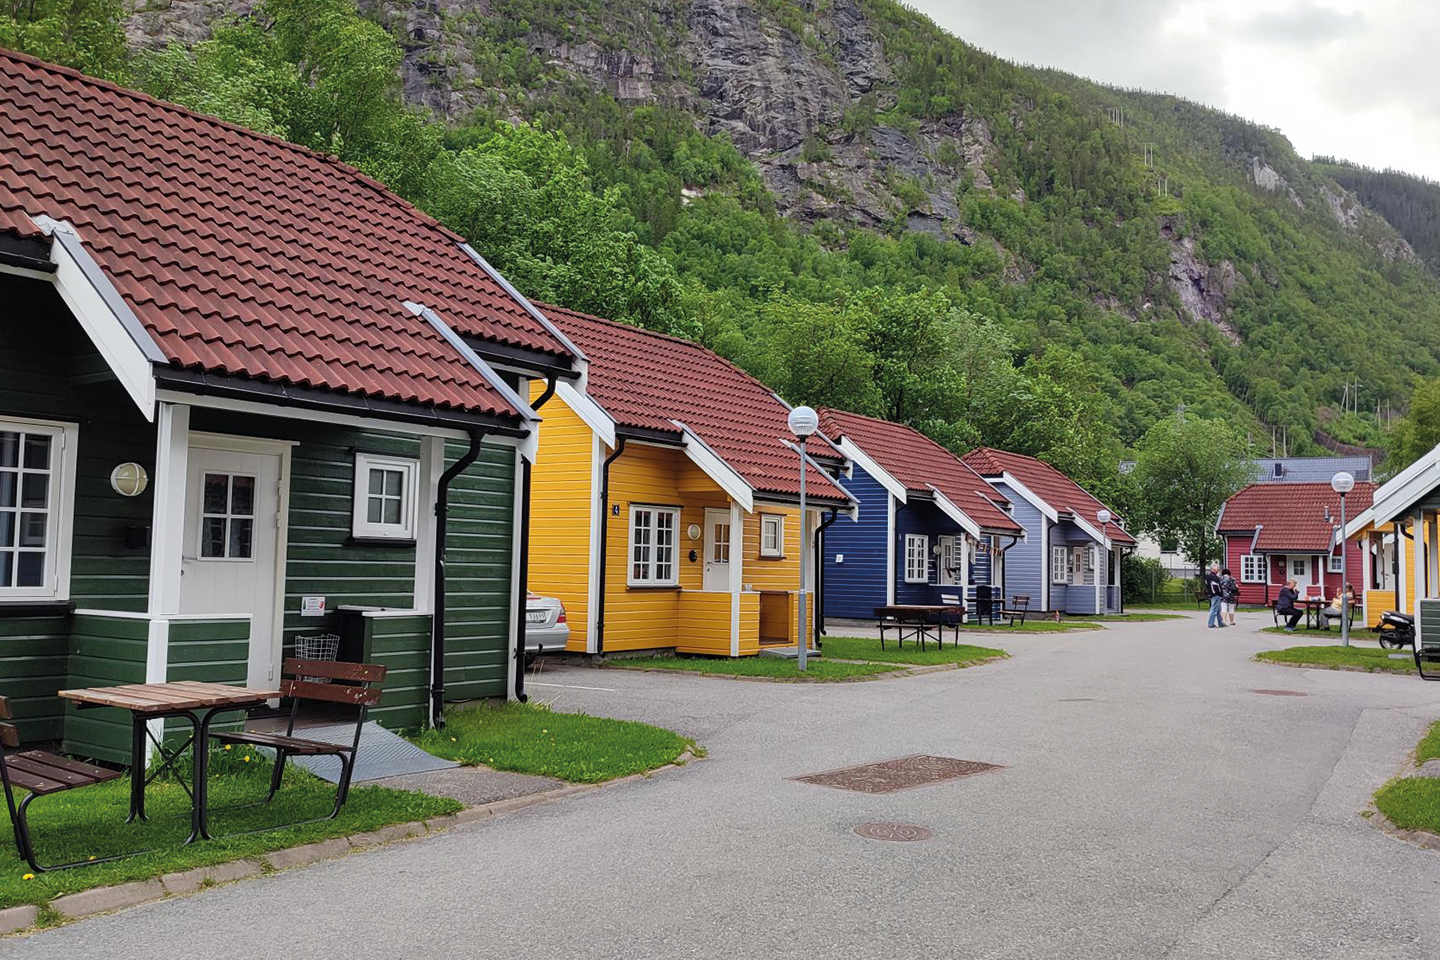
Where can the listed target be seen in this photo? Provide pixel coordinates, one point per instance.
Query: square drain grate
(902, 773)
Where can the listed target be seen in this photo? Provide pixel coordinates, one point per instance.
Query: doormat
(902, 773)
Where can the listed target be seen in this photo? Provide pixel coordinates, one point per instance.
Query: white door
(1299, 568)
(949, 562)
(717, 550)
(232, 504)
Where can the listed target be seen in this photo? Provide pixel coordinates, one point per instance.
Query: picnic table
(919, 621)
(1314, 611)
(190, 700)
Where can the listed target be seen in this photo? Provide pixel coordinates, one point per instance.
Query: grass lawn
(818, 671)
(1358, 633)
(858, 648)
(531, 738)
(1148, 617)
(1413, 803)
(1372, 659)
(88, 822)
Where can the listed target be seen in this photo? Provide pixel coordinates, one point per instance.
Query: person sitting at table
(1333, 611)
(1285, 605)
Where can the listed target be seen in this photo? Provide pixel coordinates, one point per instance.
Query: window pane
(37, 452)
(212, 537)
(394, 483)
(241, 533)
(29, 569)
(34, 488)
(374, 509)
(9, 481)
(377, 481)
(242, 496)
(32, 529)
(9, 449)
(392, 510)
(7, 568)
(7, 528)
(217, 493)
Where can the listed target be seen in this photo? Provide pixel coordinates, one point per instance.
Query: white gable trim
(1049, 512)
(716, 468)
(1407, 486)
(955, 513)
(1090, 530)
(1359, 523)
(496, 382)
(530, 308)
(882, 476)
(589, 411)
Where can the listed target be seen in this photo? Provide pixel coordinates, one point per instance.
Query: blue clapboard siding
(924, 518)
(980, 572)
(1027, 563)
(857, 586)
(1073, 598)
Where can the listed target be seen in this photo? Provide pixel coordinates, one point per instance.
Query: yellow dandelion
(452, 739)
(227, 746)
(247, 758)
(28, 876)
(91, 857)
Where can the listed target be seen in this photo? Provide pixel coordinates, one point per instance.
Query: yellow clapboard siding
(638, 618)
(704, 623)
(560, 498)
(1378, 601)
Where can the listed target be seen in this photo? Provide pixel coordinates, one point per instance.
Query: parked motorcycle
(1396, 630)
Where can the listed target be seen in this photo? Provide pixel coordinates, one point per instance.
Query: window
(386, 497)
(949, 572)
(1335, 561)
(772, 535)
(917, 558)
(1060, 564)
(652, 546)
(1300, 567)
(36, 490)
(720, 549)
(227, 517)
(1252, 568)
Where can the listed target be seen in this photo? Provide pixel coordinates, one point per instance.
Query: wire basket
(321, 646)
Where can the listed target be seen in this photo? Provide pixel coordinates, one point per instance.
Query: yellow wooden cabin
(674, 473)
(1396, 560)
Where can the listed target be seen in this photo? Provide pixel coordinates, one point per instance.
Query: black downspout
(526, 470)
(817, 599)
(604, 544)
(437, 620)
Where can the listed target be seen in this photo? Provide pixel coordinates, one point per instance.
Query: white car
(545, 628)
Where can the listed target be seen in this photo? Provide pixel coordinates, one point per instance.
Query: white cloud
(1359, 80)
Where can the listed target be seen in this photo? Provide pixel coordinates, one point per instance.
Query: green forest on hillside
(1060, 338)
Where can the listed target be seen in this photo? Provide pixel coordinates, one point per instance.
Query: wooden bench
(309, 680)
(1019, 607)
(41, 774)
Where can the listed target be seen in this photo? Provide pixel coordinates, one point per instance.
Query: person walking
(1229, 597)
(1212, 590)
(1285, 605)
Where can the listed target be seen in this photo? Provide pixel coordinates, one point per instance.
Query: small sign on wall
(312, 606)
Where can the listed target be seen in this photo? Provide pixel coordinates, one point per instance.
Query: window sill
(380, 541)
(771, 556)
(653, 587)
(36, 608)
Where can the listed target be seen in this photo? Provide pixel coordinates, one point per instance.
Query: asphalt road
(1151, 806)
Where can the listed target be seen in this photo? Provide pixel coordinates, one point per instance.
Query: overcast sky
(1355, 80)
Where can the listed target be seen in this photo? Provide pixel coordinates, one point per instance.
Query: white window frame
(652, 530)
(1304, 571)
(228, 517)
(60, 507)
(917, 558)
(1336, 559)
(951, 550)
(360, 525)
(772, 522)
(1060, 560)
(1252, 568)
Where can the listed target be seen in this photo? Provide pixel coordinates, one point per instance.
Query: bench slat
(74, 766)
(32, 782)
(292, 744)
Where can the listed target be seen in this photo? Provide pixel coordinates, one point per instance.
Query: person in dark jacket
(1229, 597)
(1285, 605)
(1212, 590)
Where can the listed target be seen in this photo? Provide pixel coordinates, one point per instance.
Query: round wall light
(129, 479)
(694, 531)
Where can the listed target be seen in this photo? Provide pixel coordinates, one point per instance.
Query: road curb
(915, 671)
(102, 900)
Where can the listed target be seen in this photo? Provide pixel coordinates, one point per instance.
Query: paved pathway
(1152, 806)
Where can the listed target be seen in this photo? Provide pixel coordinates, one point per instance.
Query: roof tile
(1292, 516)
(1047, 483)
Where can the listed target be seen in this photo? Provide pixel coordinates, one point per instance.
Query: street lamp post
(1342, 483)
(803, 422)
(1104, 517)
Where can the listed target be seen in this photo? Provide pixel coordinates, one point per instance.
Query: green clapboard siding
(402, 645)
(104, 651)
(34, 663)
(478, 555)
(214, 651)
(1430, 622)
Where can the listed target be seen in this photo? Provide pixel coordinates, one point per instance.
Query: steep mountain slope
(1410, 204)
(1189, 256)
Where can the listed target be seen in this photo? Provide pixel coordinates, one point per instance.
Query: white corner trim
(882, 476)
(484, 369)
(955, 513)
(890, 549)
(1399, 493)
(118, 335)
(172, 451)
(432, 465)
(530, 308)
(597, 523)
(1090, 530)
(737, 573)
(585, 407)
(715, 467)
(1049, 512)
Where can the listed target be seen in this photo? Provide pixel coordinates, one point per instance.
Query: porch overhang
(955, 513)
(715, 467)
(882, 476)
(1013, 482)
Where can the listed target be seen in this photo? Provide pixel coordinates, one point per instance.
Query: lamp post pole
(803, 422)
(1342, 483)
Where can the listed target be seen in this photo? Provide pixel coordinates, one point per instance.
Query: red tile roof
(647, 380)
(1291, 515)
(919, 463)
(1047, 483)
(248, 256)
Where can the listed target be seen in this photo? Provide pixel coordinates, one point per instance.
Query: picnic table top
(900, 609)
(168, 697)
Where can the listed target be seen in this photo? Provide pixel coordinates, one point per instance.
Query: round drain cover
(1280, 693)
(893, 831)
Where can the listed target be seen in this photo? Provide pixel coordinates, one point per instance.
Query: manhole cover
(1280, 693)
(902, 773)
(893, 831)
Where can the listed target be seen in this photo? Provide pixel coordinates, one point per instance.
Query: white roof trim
(119, 336)
(955, 513)
(496, 382)
(882, 476)
(815, 464)
(588, 410)
(530, 308)
(1359, 523)
(715, 467)
(1406, 487)
(1050, 513)
(1090, 530)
